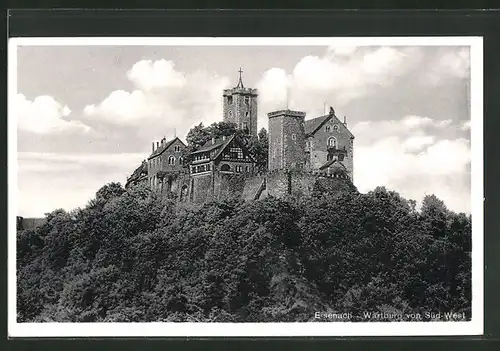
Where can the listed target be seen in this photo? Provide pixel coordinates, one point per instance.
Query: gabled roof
(221, 145)
(209, 146)
(335, 164)
(164, 147)
(312, 125)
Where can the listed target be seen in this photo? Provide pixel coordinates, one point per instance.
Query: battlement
(243, 91)
(288, 113)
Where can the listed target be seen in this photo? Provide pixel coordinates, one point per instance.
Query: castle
(303, 156)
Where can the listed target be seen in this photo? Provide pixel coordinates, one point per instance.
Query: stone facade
(240, 107)
(166, 158)
(305, 156)
(286, 140)
(328, 139)
(310, 145)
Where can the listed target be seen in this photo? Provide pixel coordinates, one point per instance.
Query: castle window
(171, 160)
(230, 113)
(230, 101)
(208, 167)
(245, 124)
(238, 169)
(328, 129)
(225, 168)
(247, 100)
(341, 157)
(336, 128)
(332, 142)
(177, 148)
(246, 169)
(294, 137)
(247, 114)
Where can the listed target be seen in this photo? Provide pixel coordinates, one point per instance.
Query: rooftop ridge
(286, 112)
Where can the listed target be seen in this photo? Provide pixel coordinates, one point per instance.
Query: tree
(109, 191)
(259, 147)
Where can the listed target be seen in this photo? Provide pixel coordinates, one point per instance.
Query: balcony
(336, 149)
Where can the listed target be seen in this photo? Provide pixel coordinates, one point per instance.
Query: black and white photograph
(245, 186)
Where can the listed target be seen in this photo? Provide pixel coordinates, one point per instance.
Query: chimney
(345, 123)
(213, 141)
(153, 146)
(157, 145)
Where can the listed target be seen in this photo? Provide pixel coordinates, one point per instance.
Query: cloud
(47, 181)
(44, 115)
(346, 73)
(448, 63)
(466, 125)
(149, 75)
(407, 156)
(165, 100)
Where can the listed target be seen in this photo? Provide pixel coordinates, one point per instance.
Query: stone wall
(318, 144)
(286, 140)
(252, 186)
(236, 112)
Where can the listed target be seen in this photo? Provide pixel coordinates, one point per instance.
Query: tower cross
(240, 82)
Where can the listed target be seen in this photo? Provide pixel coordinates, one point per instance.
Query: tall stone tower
(240, 107)
(286, 140)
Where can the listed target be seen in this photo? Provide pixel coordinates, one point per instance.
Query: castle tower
(286, 140)
(240, 107)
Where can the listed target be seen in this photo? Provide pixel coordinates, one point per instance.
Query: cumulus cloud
(449, 62)
(407, 156)
(466, 125)
(44, 115)
(346, 73)
(149, 75)
(165, 99)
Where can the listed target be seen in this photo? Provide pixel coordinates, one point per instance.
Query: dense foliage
(130, 256)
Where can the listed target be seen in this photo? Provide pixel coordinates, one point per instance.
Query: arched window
(332, 142)
(225, 168)
(336, 128)
(328, 129)
(180, 160)
(171, 160)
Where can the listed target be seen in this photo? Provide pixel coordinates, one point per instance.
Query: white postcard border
(473, 327)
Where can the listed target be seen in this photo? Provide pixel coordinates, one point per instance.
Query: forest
(130, 256)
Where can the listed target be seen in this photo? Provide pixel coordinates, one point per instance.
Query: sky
(86, 115)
